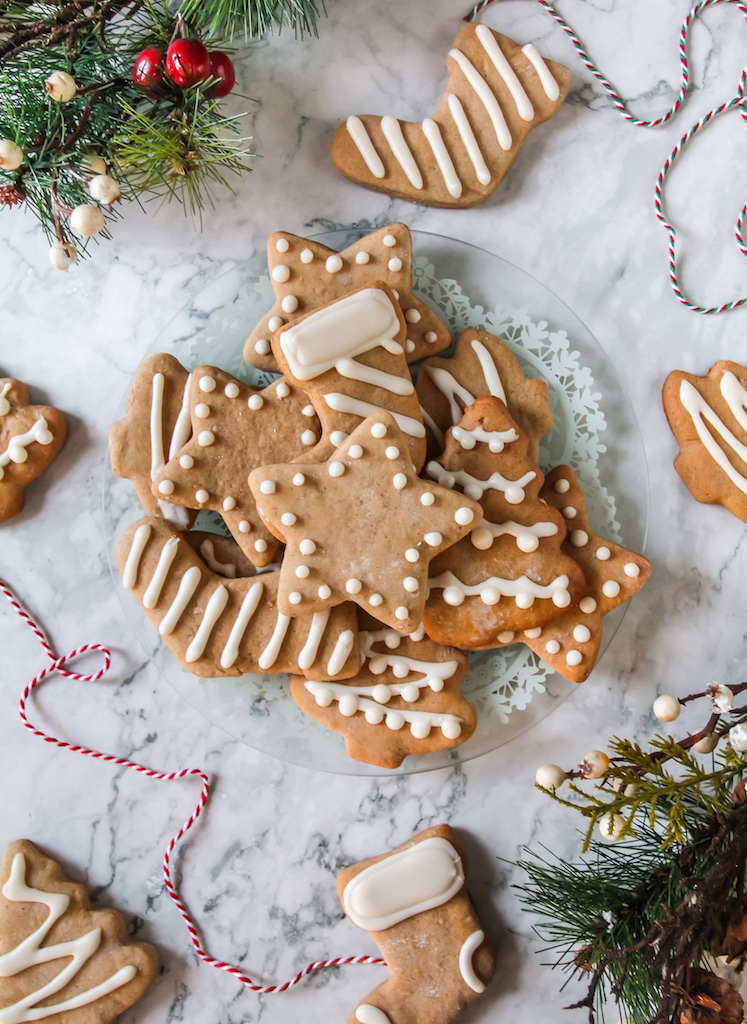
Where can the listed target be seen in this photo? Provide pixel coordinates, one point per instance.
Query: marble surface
(577, 212)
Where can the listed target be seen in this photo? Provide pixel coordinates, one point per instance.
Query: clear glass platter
(595, 431)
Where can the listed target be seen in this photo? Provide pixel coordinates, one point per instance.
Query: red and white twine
(737, 101)
(57, 664)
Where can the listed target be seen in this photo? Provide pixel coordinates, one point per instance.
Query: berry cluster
(187, 62)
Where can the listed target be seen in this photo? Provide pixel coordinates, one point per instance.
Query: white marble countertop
(577, 212)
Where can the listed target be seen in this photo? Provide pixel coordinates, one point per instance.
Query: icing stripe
(269, 655)
(487, 98)
(547, 80)
(341, 652)
(213, 611)
(432, 426)
(352, 698)
(183, 425)
(527, 537)
(157, 460)
(489, 370)
(354, 370)
(468, 138)
(207, 553)
(355, 407)
(451, 389)
(392, 130)
(358, 133)
(445, 164)
(316, 632)
(507, 73)
(495, 482)
(369, 1014)
(493, 589)
(187, 586)
(132, 565)
(16, 450)
(469, 947)
(248, 607)
(157, 580)
(700, 411)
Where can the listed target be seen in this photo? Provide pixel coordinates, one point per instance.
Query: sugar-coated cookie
(306, 275)
(361, 527)
(226, 627)
(61, 959)
(405, 700)
(497, 92)
(481, 365)
(414, 902)
(708, 416)
(31, 438)
(236, 428)
(510, 573)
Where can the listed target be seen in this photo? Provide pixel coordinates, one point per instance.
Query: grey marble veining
(576, 212)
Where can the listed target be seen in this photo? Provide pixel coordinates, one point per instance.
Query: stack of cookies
(379, 529)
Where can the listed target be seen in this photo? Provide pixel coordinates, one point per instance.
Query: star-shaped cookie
(306, 275)
(236, 428)
(31, 437)
(361, 527)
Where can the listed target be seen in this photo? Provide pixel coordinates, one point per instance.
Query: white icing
(361, 138)
(434, 673)
(489, 370)
(432, 426)
(310, 649)
(496, 440)
(213, 611)
(527, 537)
(132, 565)
(269, 655)
(445, 164)
(187, 586)
(512, 489)
(402, 153)
(16, 450)
(157, 580)
(248, 607)
(547, 80)
(468, 139)
(451, 389)
(468, 949)
(354, 406)
(207, 553)
(507, 73)
(157, 460)
(341, 652)
(4, 403)
(700, 412)
(183, 426)
(487, 98)
(523, 590)
(354, 370)
(368, 1014)
(307, 256)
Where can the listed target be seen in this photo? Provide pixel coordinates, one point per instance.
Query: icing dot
(231, 389)
(302, 571)
(267, 487)
(308, 437)
(389, 241)
(307, 547)
(409, 345)
(527, 542)
(451, 730)
(632, 570)
(245, 527)
(427, 498)
(410, 584)
(453, 596)
(288, 519)
(392, 640)
(202, 411)
(552, 646)
(399, 481)
(308, 410)
(506, 636)
(401, 613)
(354, 586)
(481, 538)
(569, 511)
(229, 503)
(381, 693)
(324, 697)
(347, 705)
(201, 496)
(362, 257)
(355, 451)
(532, 634)
(412, 555)
(186, 461)
(394, 720)
(574, 658)
(375, 600)
(262, 347)
(275, 323)
(336, 468)
(281, 273)
(282, 390)
(587, 605)
(412, 316)
(611, 588)
(433, 539)
(430, 337)
(307, 256)
(579, 538)
(395, 264)
(299, 479)
(490, 596)
(337, 437)
(392, 452)
(333, 264)
(255, 402)
(603, 553)
(374, 716)
(289, 304)
(464, 516)
(524, 600)
(581, 634)
(260, 545)
(324, 592)
(205, 438)
(378, 430)
(207, 384)
(295, 597)
(282, 245)
(514, 495)
(410, 692)
(166, 487)
(561, 598)
(420, 729)
(561, 486)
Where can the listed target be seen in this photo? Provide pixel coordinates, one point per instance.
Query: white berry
(550, 776)
(722, 698)
(611, 826)
(667, 708)
(103, 189)
(62, 255)
(595, 764)
(60, 86)
(93, 163)
(86, 219)
(11, 155)
(707, 745)
(738, 738)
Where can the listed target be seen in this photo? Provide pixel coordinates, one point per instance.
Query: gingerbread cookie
(153, 429)
(349, 356)
(31, 438)
(226, 627)
(414, 902)
(708, 416)
(497, 92)
(223, 556)
(61, 959)
(481, 365)
(405, 700)
(361, 526)
(510, 573)
(307, 275)
(236, 428)
(570, 644)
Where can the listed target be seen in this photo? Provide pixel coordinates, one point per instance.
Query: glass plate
(595, 431)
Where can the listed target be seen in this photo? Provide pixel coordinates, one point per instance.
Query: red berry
(221, 67)
(148, 71)
(188, 62)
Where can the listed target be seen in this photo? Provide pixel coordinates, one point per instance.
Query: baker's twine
(737, 101)
(57, 664)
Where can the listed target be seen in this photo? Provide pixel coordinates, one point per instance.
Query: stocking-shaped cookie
(31, 437)
(349, 355)
(708, 416)
(497, 92)
(570, 643)
(236, 428)
(59, 958)
(226, 627)
(481, 365)
(152, 430)
(306, 275)
(415, 904)
(406, 698)
(510, 573)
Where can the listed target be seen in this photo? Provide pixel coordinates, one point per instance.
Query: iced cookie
(223, 556)
(226, 627)
(153, 429)
(405, 700)
(236, 428)
(361, 527)
(349, 356)
(510, 574)
(415, 904)
(497, 92)
(61, 959)
(708, 416)
(570, 644)
(481, 365)
(307, 275)
(31, 438)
